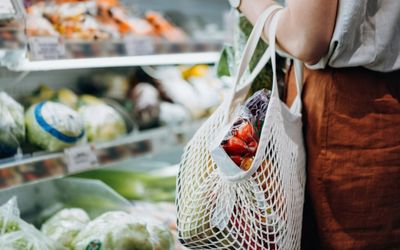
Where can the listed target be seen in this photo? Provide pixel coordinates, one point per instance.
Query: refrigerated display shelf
(123, 61)
(27, 169)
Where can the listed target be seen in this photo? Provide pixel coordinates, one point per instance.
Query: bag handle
(240, 175)
(237, 95)
(298, 66)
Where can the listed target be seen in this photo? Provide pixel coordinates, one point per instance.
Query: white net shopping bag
(221, 206)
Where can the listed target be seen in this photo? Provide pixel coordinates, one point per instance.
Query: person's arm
(305, 28)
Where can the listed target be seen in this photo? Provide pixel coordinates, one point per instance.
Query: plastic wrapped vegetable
(121, 231)
(65, 225)
(53, 126)
(102, 123)
(12, 126)
(16, 234)
(240, 143)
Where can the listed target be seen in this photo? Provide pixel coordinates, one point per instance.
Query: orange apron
(352, 134)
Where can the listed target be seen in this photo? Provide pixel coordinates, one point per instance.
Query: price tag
(80, 158)
(46, 47)
(6, 7)
(139, 45)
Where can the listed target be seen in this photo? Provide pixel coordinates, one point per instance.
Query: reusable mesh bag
(221, 206)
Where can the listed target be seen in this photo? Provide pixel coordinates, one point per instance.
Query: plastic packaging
(12, 125)
(65, 225)
(16, 234)
(119, 230)
(102, 123)
(53, 126)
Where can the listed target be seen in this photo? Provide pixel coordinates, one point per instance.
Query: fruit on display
(53, 126)
(65, 225)
(102, 123)
(12, 125)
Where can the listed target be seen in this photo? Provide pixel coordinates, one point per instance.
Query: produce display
(72, 229)
(53, 126)
(96, 20)
(121, 231)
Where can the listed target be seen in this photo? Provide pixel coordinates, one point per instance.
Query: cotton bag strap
(239, 93)
(298, 65)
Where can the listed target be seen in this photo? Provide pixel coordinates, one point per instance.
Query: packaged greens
(16, 234)
(121, 231)
(65, 225)
(102, 122)
(12, 126)
(53, 126)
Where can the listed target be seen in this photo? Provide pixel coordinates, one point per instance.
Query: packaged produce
(39, 26)
(16, 234)
(240, 143)
(12, 126)
(53, 126)
(121, 231)
(65, 225)
(102, 123)
(146, 108)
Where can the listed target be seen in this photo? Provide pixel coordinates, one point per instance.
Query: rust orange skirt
(352, 134)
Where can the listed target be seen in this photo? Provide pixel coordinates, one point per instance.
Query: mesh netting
(262, 210)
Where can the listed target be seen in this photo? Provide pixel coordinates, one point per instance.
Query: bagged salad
(16, 234)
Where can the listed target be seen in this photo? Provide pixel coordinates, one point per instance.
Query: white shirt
(367, 34)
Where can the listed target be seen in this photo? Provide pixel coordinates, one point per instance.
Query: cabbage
(53, 126)
(65, 225)
(102, 122)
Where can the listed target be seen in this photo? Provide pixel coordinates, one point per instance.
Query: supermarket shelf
(123, 61)
(19, 171)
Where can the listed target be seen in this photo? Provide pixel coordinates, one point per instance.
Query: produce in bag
(53, 126)
(226, 205)
(12, 126)
(146, 107)
(240, 143)
(102, 123)
(121, 231)
(65, 225)
(16, 234)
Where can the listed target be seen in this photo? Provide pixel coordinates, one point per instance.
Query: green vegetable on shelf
(102, 122)
(136, 185)
(65, 225)
(53, 126)
(121, 231)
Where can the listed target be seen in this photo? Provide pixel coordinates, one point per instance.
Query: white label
(46, 47)
(6, 7)
(138, 45)
(80, 158)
